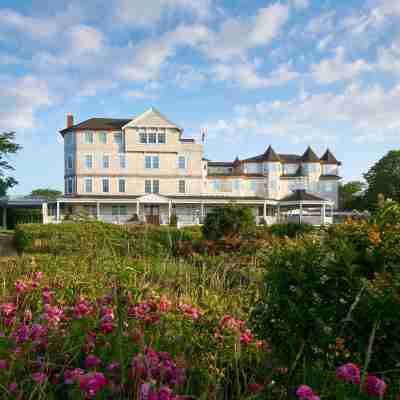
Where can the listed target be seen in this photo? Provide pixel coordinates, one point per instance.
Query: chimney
(70, 120)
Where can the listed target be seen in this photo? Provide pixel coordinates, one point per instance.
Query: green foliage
(173, 220)
(228, 221)
(98, 237)
(384, 178)
(347, 200)
(320, 291)
(47, 193)
(7, 147)
(388, 212)
(17, 216)
(290, 229)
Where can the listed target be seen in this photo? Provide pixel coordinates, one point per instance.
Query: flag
(203, 135)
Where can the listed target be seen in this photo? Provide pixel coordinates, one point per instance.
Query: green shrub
(173, 220)
(228, 221)
(290, 229)
(319, 291)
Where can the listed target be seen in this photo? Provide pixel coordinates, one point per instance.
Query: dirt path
(7, 248)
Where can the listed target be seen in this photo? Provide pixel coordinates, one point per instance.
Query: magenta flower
(375, 386)
(349, 373)
(21, 286)
(92, 361)
(3, 364)
(71, 375)
(246, 337)
(92, 382)
(8, 309)
(304, 392)
(39, 377)
(106, 327)
(82, 309)
(12, 387)
(255, 387)
(113, 366)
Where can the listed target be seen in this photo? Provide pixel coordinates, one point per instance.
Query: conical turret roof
(329, 158)
(309, 156)
(270, 155)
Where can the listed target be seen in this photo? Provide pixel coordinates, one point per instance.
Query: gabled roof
(302, 195)
(290, 158)
(270, 155)
(98, 124)
(152, 118)
(309, 156)
(329, 158)
(220, 164)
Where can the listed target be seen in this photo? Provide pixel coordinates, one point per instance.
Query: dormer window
(103, 137)
(143, 137)
(88, 138)
(161, 138)
(152, 137)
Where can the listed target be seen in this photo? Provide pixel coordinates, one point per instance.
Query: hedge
(98, 237)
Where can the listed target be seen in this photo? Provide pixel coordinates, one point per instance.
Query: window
(143, 137)
(88, 138)
(70, 161)
(156, 186)
(236, 185)
(105, 183)
(216, 185)
(152, 162)
(161, 138)
(105, 161)
(181, 162)
(147, 186)
(70, 185)
(182, 186)
(121, 185)
(253, 186)
(147, 162)
(118, 138)
(103, 137)
(153, 138)
(88, 185)
(88, 161)
(119, 211)
(156, 162)
(122, 161)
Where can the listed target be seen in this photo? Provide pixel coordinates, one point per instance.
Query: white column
(4, 222)
(44, 213)
(323, 214)
(138, 209)
(98, 210)
(58, 212)
(169, 211)
(201, 212)
(265, 211)
(301, 212)
(279, 213)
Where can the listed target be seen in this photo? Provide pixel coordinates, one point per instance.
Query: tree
(7, 148)
(347, 200)
(384, 178)
(47, 193)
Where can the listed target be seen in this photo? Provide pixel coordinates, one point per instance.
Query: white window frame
(104, 135)
(155, 165)
(148, 184)
(158, 186)
(102, 160)
(70, 185)
(181, 186)
(88, 179)
(122, 161)
(84, 160)
(103, 179)
(180, 158)
(148, 165)
(163, 134)
(85, 137)
(120, 180)
(143, 135)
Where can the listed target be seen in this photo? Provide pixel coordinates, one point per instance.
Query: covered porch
(307, 208)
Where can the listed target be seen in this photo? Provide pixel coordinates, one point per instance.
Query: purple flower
(92, 382)
(375, 386)
(39, 377)
(304, 392)
(12, 387)
(349, 373)
(3, 364)
(92, 361)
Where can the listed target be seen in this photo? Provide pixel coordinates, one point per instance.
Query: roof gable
(97, 124)
(329, 158)
(271, 156)
(309, 156)
(151, 118)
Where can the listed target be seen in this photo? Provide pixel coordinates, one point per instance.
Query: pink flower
(92, 382)
(21, 286)
(3, 364)
(12, 387)
(255, 387)
(375, 386)
(113, 366)
(82, 309)
(304, 392)
(71, 375)
(246, 337)
(53, 314)
(165, 304)
(92, 361)
(349, 373)
(39, 377)
(8, 309)
(106, 327)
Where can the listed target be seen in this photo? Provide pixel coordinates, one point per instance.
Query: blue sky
(290, 73)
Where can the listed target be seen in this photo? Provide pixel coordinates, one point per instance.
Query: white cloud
(20, 99)
(245, 74)
(146, 14)
(187, 76)
(140, 94)
(389, 58)
(366, 112)
(323, 23)
(85, 39)
(337, 69)
(236, 36)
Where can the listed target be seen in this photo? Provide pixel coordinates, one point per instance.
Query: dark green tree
(347, 200)
(384, 178)
(46, 193)
(7, 148)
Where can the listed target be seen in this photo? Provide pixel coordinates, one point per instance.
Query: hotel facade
(119, 169)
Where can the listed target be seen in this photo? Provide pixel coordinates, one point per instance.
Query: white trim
(135, 123)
